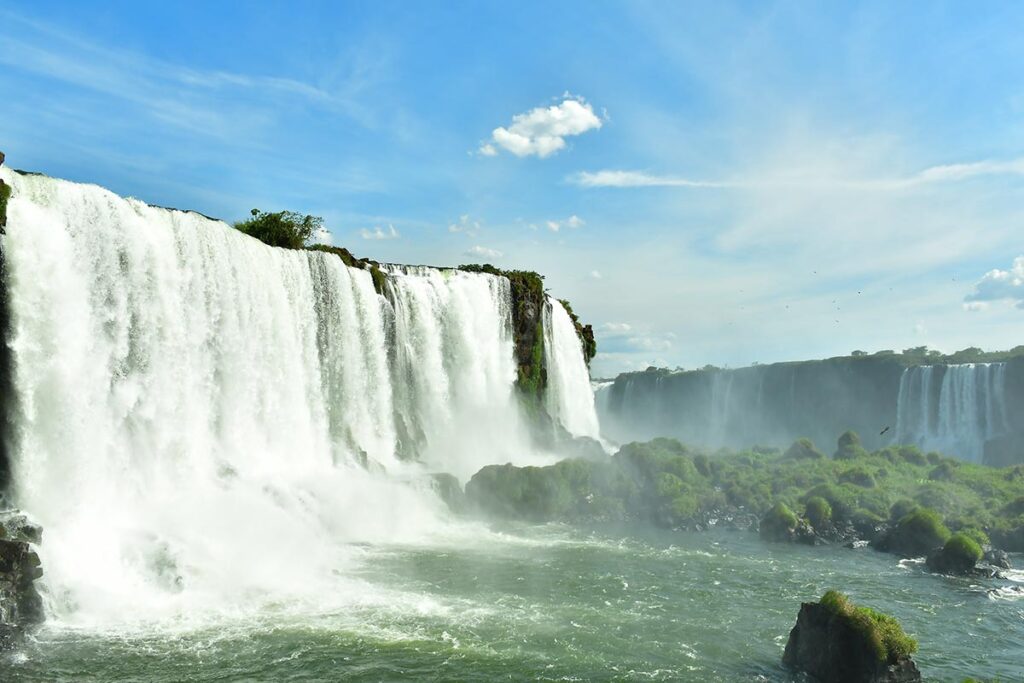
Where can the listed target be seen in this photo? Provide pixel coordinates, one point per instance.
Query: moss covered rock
(803, 449)
(781, 525)
(836, 641)
(918, 533)
(849, 447)
(959, 556)
(818, 512)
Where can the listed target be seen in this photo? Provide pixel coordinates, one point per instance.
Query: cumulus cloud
(572, 221)
(542, 131)
(465, 225)
(483, 252)
(616, 327)
(379, 233)
(596, 275)
(998, 285)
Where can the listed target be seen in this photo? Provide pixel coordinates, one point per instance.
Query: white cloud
(612, 178)
(975, 306)
(595, 275)
(542, 131)
(379, 233)
(572, 221)
(483, 252)
(323, 236)
(998, 285)
(616, 327)
(465, 225)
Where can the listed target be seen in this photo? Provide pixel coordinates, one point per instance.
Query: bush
(882, 632)
(961, 545)
(282, 229)
(858, 476)
(818, 512)
(917, 533)
(901, 508)
(778, 522)
(977, 535)
(849, 447)
(913, 455)
(803, 449)
(945, 471)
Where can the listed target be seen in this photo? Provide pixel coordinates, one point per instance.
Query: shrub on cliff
(858, 476)
(5, 194)
(917, 533)
(779, 523)
(818, 512)
(959, 556)
(882, 631)
(286, 229)
(803, 449)
(849, 447)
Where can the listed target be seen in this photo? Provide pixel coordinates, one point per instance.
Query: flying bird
(884, 430)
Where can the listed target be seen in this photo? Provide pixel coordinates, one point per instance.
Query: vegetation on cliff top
(669, 484)
(286, 229)
(5, 194)
(881, 631)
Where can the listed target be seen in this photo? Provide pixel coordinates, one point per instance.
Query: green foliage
(858, 476)
(778, 522)
(963, 547)
(917, 533)
(584, 332)
(5, 195)
(849, 447)
(803, 449)
(630, 486)
(286, 229)
(818, 512)
(882, 632)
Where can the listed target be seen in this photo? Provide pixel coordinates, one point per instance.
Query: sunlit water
(553, 604)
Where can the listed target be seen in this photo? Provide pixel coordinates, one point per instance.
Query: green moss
(584, 332)
(803, 449)
(849, 447)
(778, 522)
(917, 533)
(379, 278)
(963, 548)
(818, 512)
(881, 631)
(858, 476)
(977, 535)
(5, 194)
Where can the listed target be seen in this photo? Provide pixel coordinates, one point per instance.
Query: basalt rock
(21, 606)
(832, 650)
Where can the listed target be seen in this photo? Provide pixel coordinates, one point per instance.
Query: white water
(953, 409)
(570, 399)
(195, 407)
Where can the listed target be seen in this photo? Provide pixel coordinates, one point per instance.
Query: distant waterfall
(186, 395)
(954, 409)
(570, 399)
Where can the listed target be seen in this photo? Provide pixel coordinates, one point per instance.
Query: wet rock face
(21, 606)
(825, 646)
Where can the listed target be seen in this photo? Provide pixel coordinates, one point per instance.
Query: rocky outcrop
(5, 194)
(836, 647)
(21, 606)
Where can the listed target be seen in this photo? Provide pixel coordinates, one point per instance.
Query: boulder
(834, 647)
(21, 606)
(997, 558)
(449, 490)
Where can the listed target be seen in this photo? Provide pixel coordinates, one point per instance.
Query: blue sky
(707, 182)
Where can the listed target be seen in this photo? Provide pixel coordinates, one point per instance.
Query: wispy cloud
(612, 178)
(379, 233)
(483, 252)
(946, 173)
(571, 222)
(542, 131)
(465, 225)
(209, 102)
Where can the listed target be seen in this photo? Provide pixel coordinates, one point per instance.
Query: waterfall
(570, 399)
(954, 409)
(203, 421)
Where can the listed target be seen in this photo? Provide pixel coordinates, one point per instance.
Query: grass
(881, 631)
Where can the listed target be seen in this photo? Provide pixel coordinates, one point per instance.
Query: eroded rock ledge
(21, 606)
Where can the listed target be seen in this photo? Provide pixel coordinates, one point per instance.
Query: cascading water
(954, 409)
(206, 422)
(570, 399)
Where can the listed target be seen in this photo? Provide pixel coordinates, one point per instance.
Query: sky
(706, 182)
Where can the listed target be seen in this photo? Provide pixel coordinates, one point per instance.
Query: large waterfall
(570, 399)
(199, 415)
(953, 408)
